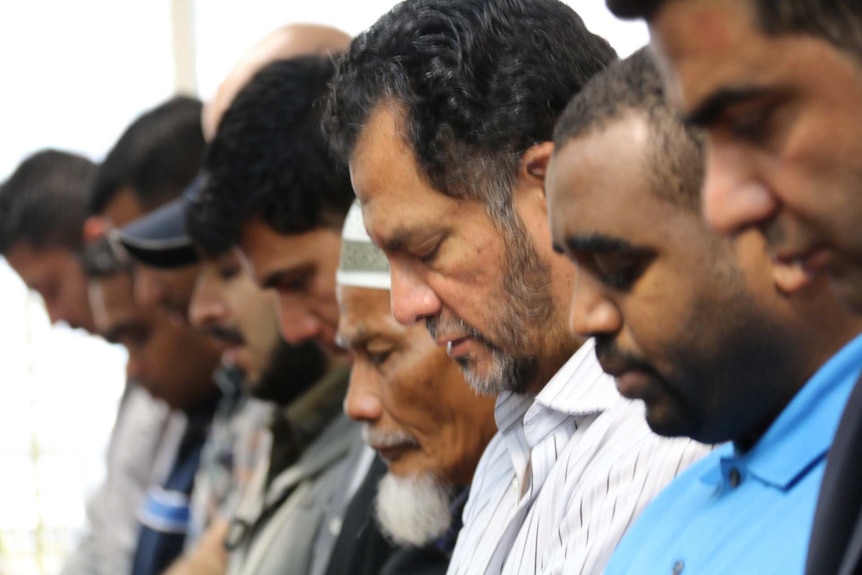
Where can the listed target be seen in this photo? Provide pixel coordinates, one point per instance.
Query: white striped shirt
(588, 464)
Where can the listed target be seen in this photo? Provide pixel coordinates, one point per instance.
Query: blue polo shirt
(747, 513)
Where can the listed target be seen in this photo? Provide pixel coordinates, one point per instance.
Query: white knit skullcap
(362, 263)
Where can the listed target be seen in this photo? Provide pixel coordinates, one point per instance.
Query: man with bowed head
(445, 111)
(417, 413)
(777, 86)
(696, 326)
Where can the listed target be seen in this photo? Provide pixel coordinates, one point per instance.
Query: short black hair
(269, 159)
(478, 82)
(156, 157)
(43, 203)
(838, 22)
(634, 85)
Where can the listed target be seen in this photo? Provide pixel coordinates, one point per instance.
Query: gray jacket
(275, 528)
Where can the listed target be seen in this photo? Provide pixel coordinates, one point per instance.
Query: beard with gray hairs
(413, 510)
(525, 303)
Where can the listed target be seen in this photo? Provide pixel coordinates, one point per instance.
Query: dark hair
(156, 157)
(838, 22)
(269, 158)
(478, 82)
(634, 86)
(43, 202)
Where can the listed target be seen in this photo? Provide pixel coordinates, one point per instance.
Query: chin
(670, 423)
(848, 289)
(413, 509)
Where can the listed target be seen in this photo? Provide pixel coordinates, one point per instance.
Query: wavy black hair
(269, 159)
(478, 81)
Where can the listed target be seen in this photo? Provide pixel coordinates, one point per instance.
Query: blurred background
(74, 74)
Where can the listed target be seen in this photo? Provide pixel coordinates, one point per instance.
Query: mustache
(382, 439)
(455, 328)
(224, 334)
(615, 362)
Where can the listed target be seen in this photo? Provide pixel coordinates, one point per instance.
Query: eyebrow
(713, 107)
(598, 243)
(397, 242)
(353, 338)
(275, 278)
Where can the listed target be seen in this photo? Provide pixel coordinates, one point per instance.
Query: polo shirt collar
(803, 432)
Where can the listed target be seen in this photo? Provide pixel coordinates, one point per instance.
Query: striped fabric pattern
(564, 477)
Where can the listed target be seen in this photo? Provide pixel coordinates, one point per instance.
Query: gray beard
(413, 510)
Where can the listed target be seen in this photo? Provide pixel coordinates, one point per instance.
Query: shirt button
(678, 567)
(335, 526)
(735, 477)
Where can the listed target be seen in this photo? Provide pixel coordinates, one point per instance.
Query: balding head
(286, 42)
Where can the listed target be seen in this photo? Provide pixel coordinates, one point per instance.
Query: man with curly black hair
(445, 110)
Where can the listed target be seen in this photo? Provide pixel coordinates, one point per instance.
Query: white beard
(413, 510)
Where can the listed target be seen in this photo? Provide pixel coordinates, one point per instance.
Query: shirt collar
(580, 387)
(803, 432)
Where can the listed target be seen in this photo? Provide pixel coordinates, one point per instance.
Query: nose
(733, 197)
(362, 402)
(296, 323)
(206, 307)
(592, 313)
(412, 298)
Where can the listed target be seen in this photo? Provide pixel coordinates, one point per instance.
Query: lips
(393, 452)
(456, 347)
(796, 270)
(390, 444)
(633, 377)
(815, 259)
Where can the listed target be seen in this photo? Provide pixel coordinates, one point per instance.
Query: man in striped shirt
(444, 110)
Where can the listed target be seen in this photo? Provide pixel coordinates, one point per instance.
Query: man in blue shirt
(789, 74)
(701, 328)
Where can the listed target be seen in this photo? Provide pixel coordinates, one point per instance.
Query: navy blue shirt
(750, 512)
(165, 514)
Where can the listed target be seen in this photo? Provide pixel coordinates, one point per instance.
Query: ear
(531, 175)
(534, 162)
(94, 228)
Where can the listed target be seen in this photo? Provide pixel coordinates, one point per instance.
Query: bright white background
(74, 74)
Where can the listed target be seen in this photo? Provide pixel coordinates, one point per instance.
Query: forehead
(710, 45)
(603, 174)
(395, 198)
(266, 251)
(123, 208)
(36, 264)
(367, 311)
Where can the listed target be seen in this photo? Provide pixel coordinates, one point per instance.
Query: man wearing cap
(152, 162)
(417, 413)
(167, 269)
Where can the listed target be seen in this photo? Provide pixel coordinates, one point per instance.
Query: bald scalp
(281, 44)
